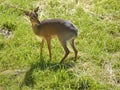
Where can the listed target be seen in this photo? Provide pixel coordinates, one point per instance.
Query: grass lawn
(98, 43)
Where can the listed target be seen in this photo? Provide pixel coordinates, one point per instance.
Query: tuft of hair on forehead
(34, 14)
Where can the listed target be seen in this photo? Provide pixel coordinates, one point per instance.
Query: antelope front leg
(42, 43)
(49, 46)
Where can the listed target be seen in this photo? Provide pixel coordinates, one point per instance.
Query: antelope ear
(36, 9)
(26, 13)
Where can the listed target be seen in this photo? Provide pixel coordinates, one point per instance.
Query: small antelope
(64, 30)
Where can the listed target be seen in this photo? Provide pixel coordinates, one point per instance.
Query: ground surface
(98, 43)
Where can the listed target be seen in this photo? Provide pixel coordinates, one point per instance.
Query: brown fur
(64, 30)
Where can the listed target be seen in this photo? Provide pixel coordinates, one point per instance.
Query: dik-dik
(64, 30)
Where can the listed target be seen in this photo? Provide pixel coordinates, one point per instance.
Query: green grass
(98, 43)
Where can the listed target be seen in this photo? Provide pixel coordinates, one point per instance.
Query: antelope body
(64, 30)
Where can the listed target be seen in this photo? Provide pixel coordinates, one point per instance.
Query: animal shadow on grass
(43, 65)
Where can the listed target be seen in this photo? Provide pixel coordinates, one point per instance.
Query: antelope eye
(32, 17)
